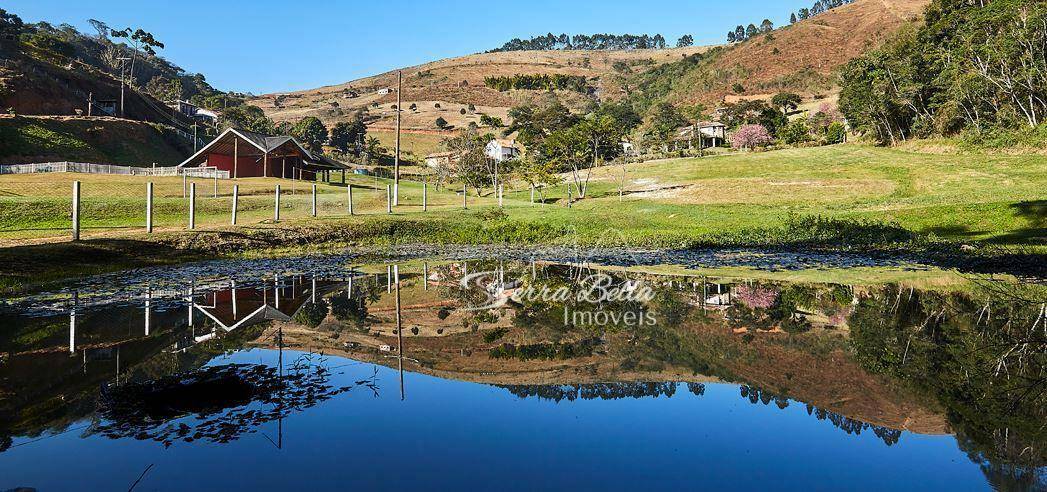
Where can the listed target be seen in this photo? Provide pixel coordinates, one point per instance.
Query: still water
(506, 376)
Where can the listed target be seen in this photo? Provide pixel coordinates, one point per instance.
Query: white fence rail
(87, 168)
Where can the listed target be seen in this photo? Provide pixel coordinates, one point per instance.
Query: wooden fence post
(350, 191)
(236, 201)
(276, 209)
(149, 207)
(465, 197)
(425, 195)
(569, 195)
(532, 194)
(500, 192)
(216, 183)
(185, 179)
(314, 200)
(192, 206)
(76, 211)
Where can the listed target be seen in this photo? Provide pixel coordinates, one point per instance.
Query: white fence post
(276, 211)
(350, 191)
(76, 210)
(236, 199)
(149, 207)
(388, 199)
(192, 206)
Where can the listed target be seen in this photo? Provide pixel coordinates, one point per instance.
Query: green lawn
(1001, 199)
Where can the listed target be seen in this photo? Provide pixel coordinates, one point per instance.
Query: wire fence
(41, 205)
(88, 168)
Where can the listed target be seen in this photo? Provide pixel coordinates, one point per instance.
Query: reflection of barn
(233, 308)
(247, 154)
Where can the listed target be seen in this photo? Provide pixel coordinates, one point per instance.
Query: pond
(490, 373)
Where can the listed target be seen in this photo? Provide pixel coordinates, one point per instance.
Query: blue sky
(273, 46)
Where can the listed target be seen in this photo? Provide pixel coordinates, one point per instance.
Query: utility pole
(396, 160)
(123, 77)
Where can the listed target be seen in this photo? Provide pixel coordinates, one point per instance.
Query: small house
(440, 159)
(703, 134)
(502, 150)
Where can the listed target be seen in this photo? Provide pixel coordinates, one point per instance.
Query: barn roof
(259, 144)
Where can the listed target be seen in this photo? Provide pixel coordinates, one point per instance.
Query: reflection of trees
(984, 362)
(312, 313)
(350, 310)
(546, 351)
(851, 426)
(217, 403)
(765, 308)
(595, 391)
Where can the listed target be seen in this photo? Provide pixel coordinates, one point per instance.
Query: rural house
(705, 134)
(502, 150)
(247, 154)
(440, 159)
(195, 112)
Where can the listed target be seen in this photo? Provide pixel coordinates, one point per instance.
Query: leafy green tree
(662, 122)
(795, 132)
(766, 26)
(311, 132)
(345, 134)
(491, 121)
(141, 41)
(473, 167)
(441, 123)
(164, 89)
(685, 41)
(247, 117)
(786, 101)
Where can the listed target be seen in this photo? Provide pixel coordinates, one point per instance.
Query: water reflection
(894, 361)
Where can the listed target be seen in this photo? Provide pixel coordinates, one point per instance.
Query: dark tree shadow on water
(217, 404)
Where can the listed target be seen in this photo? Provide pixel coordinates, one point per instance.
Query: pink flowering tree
(751, 137)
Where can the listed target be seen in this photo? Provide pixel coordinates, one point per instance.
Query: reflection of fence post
(425, 275)
(349, 189)
(76, 210)
(149, 207)
(236, 201)
(388, 199)
(314, 200)
(276, 209)
(192, 205)
(425, 195)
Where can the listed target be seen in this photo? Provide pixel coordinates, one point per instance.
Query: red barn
(247, 154)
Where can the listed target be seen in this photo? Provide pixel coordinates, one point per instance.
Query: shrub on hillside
(796, 132)
(751, 137)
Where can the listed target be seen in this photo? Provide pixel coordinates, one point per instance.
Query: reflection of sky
(451, 434)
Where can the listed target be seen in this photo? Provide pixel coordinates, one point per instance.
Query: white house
(502, 150)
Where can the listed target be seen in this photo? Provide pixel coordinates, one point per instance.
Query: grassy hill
(799, 58)
(456, 83)
(25, 139)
